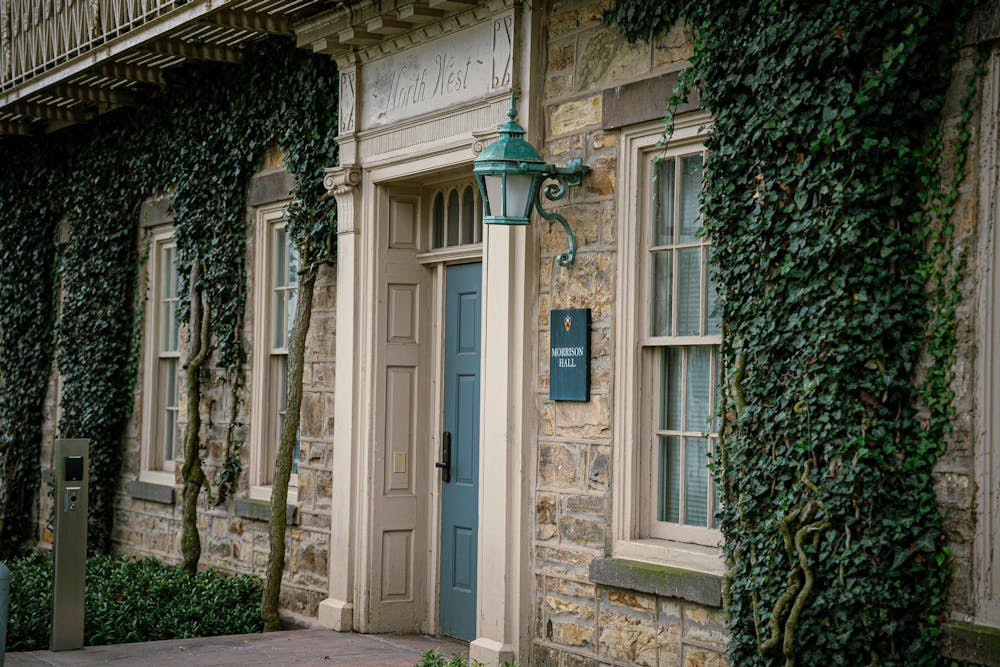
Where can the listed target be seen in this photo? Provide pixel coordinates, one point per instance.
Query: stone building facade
(575, 556)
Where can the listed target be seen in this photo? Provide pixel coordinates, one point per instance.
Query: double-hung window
(161, 432)
(680, 350)
(277, 279)
(667, 353)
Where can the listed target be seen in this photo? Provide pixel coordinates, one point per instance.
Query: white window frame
(153, 468)
(634, 534)
(265, 383)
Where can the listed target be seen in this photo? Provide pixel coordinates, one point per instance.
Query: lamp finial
(512, 111)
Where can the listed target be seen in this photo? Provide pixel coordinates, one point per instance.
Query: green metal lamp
(510, 173)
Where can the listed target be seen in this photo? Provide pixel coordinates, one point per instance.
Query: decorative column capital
(341, 181)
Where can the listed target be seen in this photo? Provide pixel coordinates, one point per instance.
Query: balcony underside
(64, 61)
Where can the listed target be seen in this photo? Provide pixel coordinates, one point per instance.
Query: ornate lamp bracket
(561, 178)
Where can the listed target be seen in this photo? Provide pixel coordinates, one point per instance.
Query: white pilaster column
(337, 611)
(503, 440)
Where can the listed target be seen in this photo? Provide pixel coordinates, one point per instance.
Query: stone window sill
(674, 582)
(157, 493)
(978, 644)
(260, 510)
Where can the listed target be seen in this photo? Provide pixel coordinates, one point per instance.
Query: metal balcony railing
(36, 35)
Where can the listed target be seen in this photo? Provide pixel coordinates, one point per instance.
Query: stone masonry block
(627, 627)
(559, 465)
(606, 57)
(576, 115)
(706, 625)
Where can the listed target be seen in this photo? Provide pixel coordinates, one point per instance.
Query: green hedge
(133, 600)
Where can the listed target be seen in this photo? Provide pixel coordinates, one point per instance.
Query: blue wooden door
(460, 493)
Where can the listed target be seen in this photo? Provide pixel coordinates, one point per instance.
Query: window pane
(670, 389)
(663, 233)
(691, 169)
(688, 292)
(468, 216)
(169, 370)
(280, 258)
(166, 326)
(437, 222)
(669, 485)
(453, 218)
(696, 481)
(280, 315)
(661, 292)
(293, 263)
(713, 327)
(290, 312)
(699, 374)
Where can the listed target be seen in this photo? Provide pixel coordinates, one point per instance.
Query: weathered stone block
(583, 532)
(545, 516)
(590, 420)
(697, 657)
(572, 633)
(585, 504)
(559, 465)
(558, 85)
(562, 56)
(704, 624)
(576, 115)
(598, 472)
(580, 608)
(606, 56)
(699, 587)
(562, 562)
(675, 46)
(603, 175)
(590, 282)
(627, 628)
(157, 493)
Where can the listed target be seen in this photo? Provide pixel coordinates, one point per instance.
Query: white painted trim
(986, 569)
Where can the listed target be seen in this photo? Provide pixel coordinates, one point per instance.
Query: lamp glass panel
(519, 194)
(494, 192)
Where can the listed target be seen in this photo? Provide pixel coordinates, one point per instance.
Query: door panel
(460, 496)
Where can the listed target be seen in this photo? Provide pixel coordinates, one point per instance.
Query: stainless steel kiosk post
(72, 463)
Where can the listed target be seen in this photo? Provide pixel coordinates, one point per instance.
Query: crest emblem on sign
(568, 323)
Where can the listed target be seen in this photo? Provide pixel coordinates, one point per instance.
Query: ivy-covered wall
(200, 140)
(820, 202)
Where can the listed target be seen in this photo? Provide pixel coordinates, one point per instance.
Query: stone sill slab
(975, 643)
(260, 510)
(157, 493)
(671, 582)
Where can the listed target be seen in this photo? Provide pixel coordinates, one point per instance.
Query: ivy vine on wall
(833, 255)
(200, 140)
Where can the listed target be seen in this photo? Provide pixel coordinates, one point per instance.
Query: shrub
(131, 600)
(432, 658)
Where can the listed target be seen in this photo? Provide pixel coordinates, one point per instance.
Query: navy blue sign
(569, 354)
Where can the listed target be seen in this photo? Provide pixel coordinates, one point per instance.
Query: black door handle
(445, 462)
